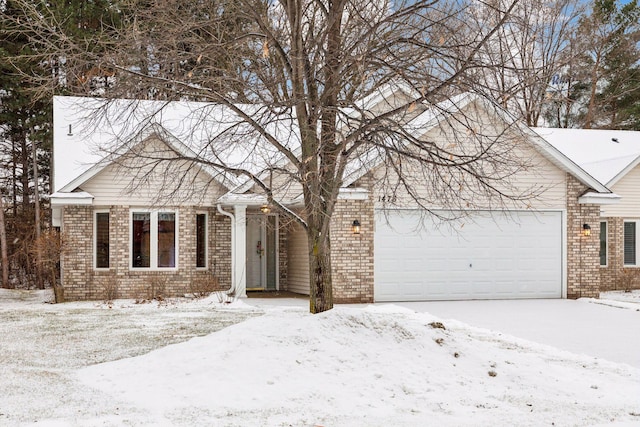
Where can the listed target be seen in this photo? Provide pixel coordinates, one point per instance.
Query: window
(603, 243)
(201, 240)
(630, 242)
(101, 240)
(153, 239)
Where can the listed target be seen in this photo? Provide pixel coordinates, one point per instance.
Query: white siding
(628, 188)
(527, 173)
(145, 182)
(298, 261)
(395, 100)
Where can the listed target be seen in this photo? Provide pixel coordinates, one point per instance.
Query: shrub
(157, 287)
(110, 289)
(202, 286)
(628, 280)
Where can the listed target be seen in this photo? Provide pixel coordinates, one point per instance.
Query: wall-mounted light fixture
(586, 230)
(355, 226)
(265, 209)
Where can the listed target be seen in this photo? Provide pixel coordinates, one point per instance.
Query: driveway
(594, 328)
(599, 328)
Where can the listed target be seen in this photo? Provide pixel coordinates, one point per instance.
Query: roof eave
(599, 198)
(65, 199)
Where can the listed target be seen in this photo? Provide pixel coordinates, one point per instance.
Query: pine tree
(609, 68)
(26, 116)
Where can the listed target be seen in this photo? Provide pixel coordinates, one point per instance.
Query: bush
(202, 286)
(156, 290)
(110, 289)
(628, 280)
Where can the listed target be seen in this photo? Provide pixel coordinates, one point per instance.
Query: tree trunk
(14, 178)
(3, 245)
(58, 290)
(321, 289)
(24, 178)
(589, 117)
(36, 203)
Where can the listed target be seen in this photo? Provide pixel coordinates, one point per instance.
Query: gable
(142, 177)
(528, 173)
(628, 188)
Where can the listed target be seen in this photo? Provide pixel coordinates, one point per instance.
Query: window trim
(606, 243)
(153, 250)
(95, 239)
(637, 223)
(206, 241)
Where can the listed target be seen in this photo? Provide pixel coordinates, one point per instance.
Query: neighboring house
(126, 221)
(613, 158)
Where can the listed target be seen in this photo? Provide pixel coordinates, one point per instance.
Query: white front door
(262, 252)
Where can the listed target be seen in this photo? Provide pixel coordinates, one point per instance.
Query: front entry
(262, 252)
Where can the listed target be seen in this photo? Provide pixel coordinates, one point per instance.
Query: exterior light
(265, 209)
(586, 230)
(355, 226)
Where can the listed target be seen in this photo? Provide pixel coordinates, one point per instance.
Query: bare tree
(532, 50)
(312, 66)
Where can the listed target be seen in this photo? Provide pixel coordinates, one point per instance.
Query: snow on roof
(88, 130)
(604, 154)
(433, 114)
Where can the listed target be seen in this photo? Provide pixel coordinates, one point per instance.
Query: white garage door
(518, 255)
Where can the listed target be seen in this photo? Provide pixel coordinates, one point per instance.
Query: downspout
(233, 247)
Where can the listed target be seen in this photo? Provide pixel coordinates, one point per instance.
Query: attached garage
(487, 255)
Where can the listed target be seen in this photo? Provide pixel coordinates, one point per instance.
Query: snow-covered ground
(381, 365)
(606, 328)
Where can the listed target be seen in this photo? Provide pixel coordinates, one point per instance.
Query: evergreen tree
(607, 88)
(26, 116)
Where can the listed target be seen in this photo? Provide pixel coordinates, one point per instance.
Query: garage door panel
(493, 256)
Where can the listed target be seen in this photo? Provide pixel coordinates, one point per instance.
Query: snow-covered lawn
(381, 365)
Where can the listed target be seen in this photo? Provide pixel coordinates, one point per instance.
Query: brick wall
(82, 282)
(352, 254)
(609, 273)
(613, 274)
(76, 259)
(583, 261)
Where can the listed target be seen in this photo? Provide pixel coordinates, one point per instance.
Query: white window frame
(206, 240)
(95, 239)
(637, 222)
(153, 253)
(606, 243)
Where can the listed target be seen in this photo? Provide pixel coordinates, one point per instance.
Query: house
(144, 225)
(613, 158)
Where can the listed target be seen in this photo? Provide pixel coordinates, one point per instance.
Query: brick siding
(82, 282)
(352, 254)
(611, 275)
(583, 261)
